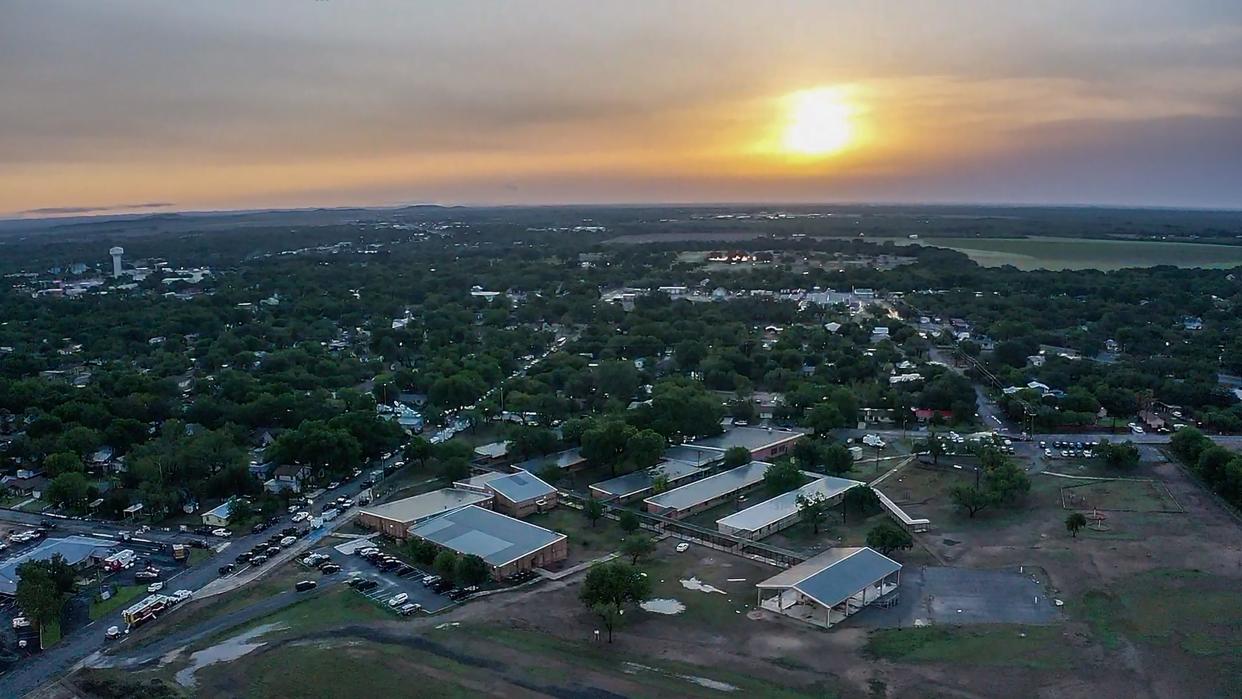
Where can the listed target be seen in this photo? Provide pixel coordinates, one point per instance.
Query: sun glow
(819, 122)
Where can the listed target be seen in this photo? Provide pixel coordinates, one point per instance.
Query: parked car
(258, 527)
(113, 632)
(410, 608)
(289, 531)
(334, 485)
(442, 586)
(430, 580)
(288, 541)
(301, 516)
(329, 569)
(682, 547)
(221, 532)
(226, 569)
(182, 595)
(258, 560)
(398, 599)
(367, 585)
(155, 587)
(146, 576)
(304, 585)
(244, 557)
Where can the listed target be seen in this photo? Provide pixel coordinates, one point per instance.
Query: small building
(491, 453)
(79, 551)
(637, 483)
(218, 516)
(289, 477)
(508, 545)
(395, 518)
(780, 512)
(521, 494)
(703, 494)
(568, 460)
(828, 588)
(764, 443)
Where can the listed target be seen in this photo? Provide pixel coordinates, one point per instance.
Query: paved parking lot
(942, 595)
(390, 584)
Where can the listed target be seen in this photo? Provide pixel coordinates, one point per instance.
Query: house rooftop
(421, 507)
(520, 487)
(775, 509)
(75, 549)
(752, 438)
(835, 575)
(638, 481)
(496, 538)
(562, 460)
(710, 488)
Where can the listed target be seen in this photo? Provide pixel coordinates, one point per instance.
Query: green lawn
(1042, 647)
(586, 542)
(1123, 495)
(123, 597)
(50, 634)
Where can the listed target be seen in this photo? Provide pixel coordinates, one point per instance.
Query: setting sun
(819, 122)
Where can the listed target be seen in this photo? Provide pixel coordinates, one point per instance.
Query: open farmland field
(1084, 253)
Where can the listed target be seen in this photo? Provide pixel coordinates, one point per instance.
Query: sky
(129, 105)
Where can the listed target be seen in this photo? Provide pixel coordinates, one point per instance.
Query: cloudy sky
(212, 104)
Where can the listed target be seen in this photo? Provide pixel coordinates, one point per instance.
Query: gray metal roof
(75, 549)
(694, 454)
(835, 575)
(773, 510)
(712, 487)
(562, 459)
(638, 481)
(753, 438)
(520, 487)
(420, 507)
(495, 538)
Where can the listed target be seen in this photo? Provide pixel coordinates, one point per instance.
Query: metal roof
(753, 438)
(769, 511)
(495, 538)
(562, 459)
(835, 575)
(420, 507)
(695, 454)
(710, 488)
(75, 549)
(520, 487)
(638, 481)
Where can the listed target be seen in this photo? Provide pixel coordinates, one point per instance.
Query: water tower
(116, 261)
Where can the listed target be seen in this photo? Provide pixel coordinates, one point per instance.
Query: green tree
(736, 456)
(42, 586)
(1187, 443)
(418, 449)
(861, 500)
(812, 509)
(782, 477)
(446, 564)
(659, 483)
(241, 510)
(593, 510)
(887, 537)
(637, 547)
(471, 570)
(1124, 456)
(971, 499)
(610, 588)
(62, 462)
(71, 489)
(628, 521)
(837, 459)
(934, 446)
(644, 449)
(1074, 522)
(824, 418)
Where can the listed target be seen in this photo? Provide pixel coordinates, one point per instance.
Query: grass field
(1036, 647)
(1084, 253)
(124, 596)
(1120, 495)
(1193, 616)
(586, 542)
